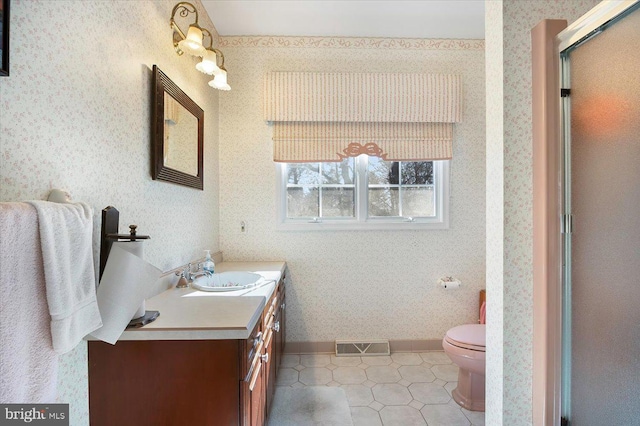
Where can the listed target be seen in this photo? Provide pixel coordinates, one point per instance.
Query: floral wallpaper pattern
(495, 211)
(353, 42)
(74, 114)
(350, 284)
(513, 58)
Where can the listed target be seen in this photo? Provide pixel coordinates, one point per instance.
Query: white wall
(367, 284)
(75, 114)
(509, 266)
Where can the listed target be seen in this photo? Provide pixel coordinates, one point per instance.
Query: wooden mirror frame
(4, 35)
(161, 85)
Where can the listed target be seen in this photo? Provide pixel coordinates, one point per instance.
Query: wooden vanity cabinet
(271, 356)
(189, 382)
(273, 345)
(281, 322)
(165, 383)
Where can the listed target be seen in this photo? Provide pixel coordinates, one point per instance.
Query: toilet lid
(470, 336)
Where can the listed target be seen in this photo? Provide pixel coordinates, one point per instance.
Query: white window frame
(361, 222)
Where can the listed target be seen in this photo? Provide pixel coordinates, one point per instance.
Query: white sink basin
(229, 281)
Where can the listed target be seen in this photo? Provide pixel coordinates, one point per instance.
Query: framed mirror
(4, 37)
(177, 133)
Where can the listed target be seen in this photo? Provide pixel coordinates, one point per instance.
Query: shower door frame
(552, 208)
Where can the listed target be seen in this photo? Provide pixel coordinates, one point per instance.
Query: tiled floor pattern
(403, 389)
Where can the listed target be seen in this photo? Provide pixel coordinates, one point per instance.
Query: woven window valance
(371, 97)
(320, 141)
(327, 116)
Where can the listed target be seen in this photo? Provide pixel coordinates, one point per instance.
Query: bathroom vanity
(209, 359)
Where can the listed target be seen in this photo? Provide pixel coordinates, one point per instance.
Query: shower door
(601, 225)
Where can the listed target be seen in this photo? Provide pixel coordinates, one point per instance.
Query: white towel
(28, 364)
(67, 253)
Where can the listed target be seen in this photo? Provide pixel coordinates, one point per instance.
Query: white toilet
(465, 345)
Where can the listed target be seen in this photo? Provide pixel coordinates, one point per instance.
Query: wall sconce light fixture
(192, 43)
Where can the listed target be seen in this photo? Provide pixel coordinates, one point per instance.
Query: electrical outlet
(243, 227)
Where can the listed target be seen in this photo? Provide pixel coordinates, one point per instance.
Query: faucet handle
(182, 282)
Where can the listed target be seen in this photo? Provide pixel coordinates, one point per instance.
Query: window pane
(383, 202)
(303, 202)
(338, 202)
(382, 172)
(417, 173)
(418, 202)
(303, 173)
(338, 173)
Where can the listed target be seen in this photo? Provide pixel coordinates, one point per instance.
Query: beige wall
(367, 284)
(75, 114)
(509, 266)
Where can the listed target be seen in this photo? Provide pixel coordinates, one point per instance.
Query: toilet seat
(468, 336)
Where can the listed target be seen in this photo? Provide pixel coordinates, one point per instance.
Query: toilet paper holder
(109, 234)
(449, 282)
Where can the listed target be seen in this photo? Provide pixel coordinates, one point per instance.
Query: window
(363, 193)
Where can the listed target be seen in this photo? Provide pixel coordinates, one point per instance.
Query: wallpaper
(352, 42)
(355, 284)
(75, 114)
(495, 212)
(515, 23)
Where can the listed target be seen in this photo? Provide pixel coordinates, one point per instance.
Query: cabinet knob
(276, 326)
(257, 339)
(265, 358)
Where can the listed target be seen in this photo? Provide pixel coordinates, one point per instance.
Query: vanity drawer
(272, 305)
(253, 347)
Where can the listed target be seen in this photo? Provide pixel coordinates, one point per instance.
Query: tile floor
(403, 389)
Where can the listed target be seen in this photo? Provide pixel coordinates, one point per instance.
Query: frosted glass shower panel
(605, 198)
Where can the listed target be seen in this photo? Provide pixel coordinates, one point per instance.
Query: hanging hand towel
(67, 253)
(28, 364)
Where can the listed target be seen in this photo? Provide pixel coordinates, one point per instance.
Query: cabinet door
(278, 346)
(255, 390)
(283, 322)
(270, 366)
(154, 382)
(252, 385)
(257, 398)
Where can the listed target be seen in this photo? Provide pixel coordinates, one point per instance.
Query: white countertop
(189, 314)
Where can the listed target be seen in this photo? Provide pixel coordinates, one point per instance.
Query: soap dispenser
(208, 264)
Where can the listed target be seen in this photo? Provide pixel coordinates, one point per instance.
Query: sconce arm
(213, 49)
(218, 52)
(183, 9)
(184, 6)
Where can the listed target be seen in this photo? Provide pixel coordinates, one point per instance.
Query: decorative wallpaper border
(352, 43)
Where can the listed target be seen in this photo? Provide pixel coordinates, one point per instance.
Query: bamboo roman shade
(331, 116)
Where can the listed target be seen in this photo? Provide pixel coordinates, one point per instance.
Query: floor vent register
(362, 348)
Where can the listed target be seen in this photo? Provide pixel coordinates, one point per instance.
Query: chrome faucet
(199, 272)
(187, 276)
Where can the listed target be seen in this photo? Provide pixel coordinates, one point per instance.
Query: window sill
(363, 226)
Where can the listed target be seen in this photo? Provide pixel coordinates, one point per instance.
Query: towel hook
(59, 196)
